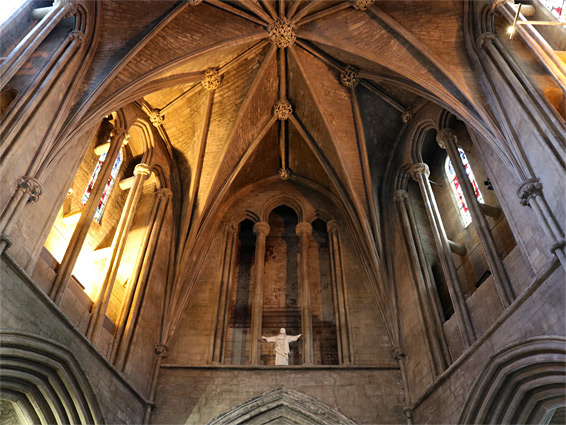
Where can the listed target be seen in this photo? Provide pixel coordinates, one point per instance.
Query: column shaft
(447, 139)
(141, 172)
(140, 277)
(32, 40)
(261, 231)
(219, 336)
(420, 173)
(83, 226)
(304, 230)
(345, 348)
(424, 302)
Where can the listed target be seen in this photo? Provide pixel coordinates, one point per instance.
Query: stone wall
(197, 395)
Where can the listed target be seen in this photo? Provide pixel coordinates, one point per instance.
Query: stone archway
(521, 384)
(43, 382)
(282, 406)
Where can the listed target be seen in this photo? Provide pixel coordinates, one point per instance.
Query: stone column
(27, 102)
(83, 226)
(304, 231)
(420, 173)
(530, 193)
(141, 173)
(261, 230)
(345, 347)
(447, 140)
(22, 52)
(426, 306)
(222, 312)
(139, 280)
(28, 191)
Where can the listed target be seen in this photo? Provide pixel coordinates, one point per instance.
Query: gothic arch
(519, 384)
(287, 406)
(279, 201)
(46, 381)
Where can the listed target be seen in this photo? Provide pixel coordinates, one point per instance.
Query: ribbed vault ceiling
(338, 136)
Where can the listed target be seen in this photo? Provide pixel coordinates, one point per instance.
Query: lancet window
(457, 189)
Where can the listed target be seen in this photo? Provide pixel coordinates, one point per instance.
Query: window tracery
(457, 189)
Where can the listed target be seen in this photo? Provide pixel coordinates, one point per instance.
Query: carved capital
(143, 169)
(156, 117)
(261, 228)
(350, 76)
(232, 228)
(282, 110)
(303, 228)
(120, 132)
(194, 2)
(332, 227)
(161, 351)
(560, 245)
(445, 136)
(497, 3)
(399, 353)
(31, 187)
(211, 79)
(361, 4)
(77, 35)
(529, 189)
(407, 115)
(282, 32)
(419, 169)
(483, 38)
(70, 5)
(400, 195)
(164, 193)
(284, 173)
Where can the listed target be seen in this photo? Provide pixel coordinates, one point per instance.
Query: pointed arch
(45, 381)
(519, 384)
(283, 405)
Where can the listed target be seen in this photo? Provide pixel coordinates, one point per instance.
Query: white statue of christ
(282, 346)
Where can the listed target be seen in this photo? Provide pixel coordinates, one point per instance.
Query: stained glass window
(556, 7)
(107, 188)
(457, 189)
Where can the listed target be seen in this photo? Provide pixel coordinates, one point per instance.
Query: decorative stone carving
(261, 228)
(529, 189)
(419, 169)
(194, 2)
(156, 117)
(400, 195)
(77, 35)
(486, 36)
(30, 186)
(362, 4)
(281, 346)
(142, 169)
(282, 110)
(282, 32)
(497, 3)
(211, 79)
(284, 173)
(161, 351)
(164, 193)
(332, 227)
(71, 5)
(445, 136)
(303, 228)
(399, 353)
(406, 115)
(350, 76)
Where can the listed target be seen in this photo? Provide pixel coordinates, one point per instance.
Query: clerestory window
(457, 189)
